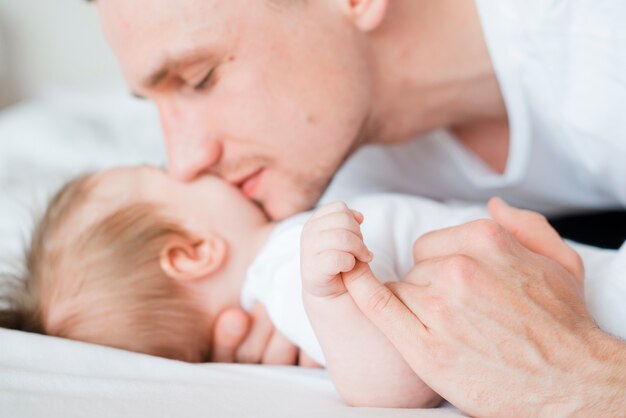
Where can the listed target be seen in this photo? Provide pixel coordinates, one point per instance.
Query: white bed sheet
(51, 377)
(45, 142)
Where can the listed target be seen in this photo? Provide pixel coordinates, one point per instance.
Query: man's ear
(367, 14)
(185, 260)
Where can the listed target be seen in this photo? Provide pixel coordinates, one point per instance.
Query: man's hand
(331, 244)
(242, 338)
(534, 232)
(495, 328)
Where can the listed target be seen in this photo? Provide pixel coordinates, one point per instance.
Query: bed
(48, 140)
(44, 142)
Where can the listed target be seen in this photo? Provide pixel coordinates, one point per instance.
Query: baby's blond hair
(105, 285)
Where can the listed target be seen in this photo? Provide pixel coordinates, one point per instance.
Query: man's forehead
(148, 35)
(129, 13)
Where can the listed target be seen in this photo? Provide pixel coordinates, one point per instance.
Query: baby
(132, 259)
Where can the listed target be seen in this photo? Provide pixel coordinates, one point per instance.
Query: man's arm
(496, 328)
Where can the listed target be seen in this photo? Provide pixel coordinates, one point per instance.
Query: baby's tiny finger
(333, 262)
(343, 240)
(329, 208)
(339, 220)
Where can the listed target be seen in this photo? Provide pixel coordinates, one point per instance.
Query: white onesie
(392, 224)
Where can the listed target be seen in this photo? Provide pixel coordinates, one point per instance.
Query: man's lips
(249, 183)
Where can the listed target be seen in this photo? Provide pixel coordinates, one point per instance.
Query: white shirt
(392, 224)
(561, 66)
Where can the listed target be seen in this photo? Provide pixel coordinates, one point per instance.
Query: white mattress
(45, 376)
(45, 142)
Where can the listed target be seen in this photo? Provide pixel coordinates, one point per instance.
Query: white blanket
(44, 143)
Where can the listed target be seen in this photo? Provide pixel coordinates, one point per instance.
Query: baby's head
(132, 259)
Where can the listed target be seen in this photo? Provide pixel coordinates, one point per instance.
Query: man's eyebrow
(164, 69)
(158, 76)
(153, 79)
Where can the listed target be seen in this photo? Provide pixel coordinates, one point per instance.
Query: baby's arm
(364, 367)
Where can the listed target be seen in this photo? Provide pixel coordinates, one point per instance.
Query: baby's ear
(185, 260)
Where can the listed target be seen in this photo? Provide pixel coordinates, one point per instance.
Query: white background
(52, 44)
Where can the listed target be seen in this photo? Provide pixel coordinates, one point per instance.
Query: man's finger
(229, 331)
(479, 235)
(261, 330)
(534, 232)
(280, 351)
(304, 360)
(384, 309)
(416, 299)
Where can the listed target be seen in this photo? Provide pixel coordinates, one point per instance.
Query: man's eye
(204, 82)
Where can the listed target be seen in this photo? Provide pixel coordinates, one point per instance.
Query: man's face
(269, 95)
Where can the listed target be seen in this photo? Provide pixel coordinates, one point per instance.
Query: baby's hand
(330, 245)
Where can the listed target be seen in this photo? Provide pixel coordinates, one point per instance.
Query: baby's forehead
(108, 191)
(117, 184)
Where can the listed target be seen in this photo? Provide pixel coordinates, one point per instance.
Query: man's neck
(433, 70)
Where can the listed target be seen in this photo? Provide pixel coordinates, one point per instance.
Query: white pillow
(2, 64)
(3, 69)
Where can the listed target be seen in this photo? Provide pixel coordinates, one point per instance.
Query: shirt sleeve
(605, 287)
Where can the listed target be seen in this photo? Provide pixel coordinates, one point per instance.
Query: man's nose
(191, 149)
(187, 158)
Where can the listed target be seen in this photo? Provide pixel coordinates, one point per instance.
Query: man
(274, 95)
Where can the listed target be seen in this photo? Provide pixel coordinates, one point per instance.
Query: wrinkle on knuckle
(379, 300)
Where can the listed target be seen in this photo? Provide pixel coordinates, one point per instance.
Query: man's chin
(281, 211)
(277, 211)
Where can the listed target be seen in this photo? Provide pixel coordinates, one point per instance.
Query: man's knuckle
(486, 227)
(459, 269)
(489, 233)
